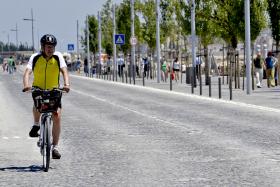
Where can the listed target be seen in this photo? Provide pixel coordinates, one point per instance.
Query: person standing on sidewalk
(258, 66)
(86, 66)
(163, 69)
(176, 68)
(270, 63)
(11, 65)
(121, 65)
(78, 66)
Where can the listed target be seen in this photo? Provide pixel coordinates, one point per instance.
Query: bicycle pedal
(38, 143)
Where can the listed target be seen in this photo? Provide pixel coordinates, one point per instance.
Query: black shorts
(175, 69)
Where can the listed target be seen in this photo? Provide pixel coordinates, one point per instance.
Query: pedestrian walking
(108, 65)
(163, 69)
(121, 65)
(258, 67)
(86, 66)
(78, 66)
(145, 64)
(270, 63)
(198, 62)
(176, 68)
(4, 65)
(11, 65)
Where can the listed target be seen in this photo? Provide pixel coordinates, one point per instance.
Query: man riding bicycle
(46, 67)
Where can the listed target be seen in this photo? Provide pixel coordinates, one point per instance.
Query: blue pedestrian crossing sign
(119, 39)
(70, 47)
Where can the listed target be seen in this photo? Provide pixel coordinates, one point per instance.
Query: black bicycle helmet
(48, 39)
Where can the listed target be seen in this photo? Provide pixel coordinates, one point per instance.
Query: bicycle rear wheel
(47, 143)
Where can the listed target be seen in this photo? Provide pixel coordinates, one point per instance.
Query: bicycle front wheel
(47, 143)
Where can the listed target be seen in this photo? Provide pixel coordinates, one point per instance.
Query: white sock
(36, 123)
(55, 147)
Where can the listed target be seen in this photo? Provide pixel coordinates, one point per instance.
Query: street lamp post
(248, 45)
(132, 59)
(16, 30)
(193, 42)
(158, 40)
(32, 20)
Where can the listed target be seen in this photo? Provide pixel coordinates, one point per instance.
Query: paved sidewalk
(267, 97)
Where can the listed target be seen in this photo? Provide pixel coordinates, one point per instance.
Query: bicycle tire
(43, 141)
(47, 143)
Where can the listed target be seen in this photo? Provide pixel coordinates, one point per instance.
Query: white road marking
(137, 112)
(16, 137)
(263, 108)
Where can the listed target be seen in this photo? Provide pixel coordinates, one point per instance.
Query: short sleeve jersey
(46, 73)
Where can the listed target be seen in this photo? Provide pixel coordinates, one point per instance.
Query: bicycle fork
(41, 143)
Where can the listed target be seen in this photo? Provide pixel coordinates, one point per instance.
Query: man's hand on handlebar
(66, 88)
(26, 89)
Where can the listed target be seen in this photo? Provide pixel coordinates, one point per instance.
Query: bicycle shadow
(32, 168)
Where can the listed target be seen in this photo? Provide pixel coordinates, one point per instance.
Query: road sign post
(120, 39)
(70, 47)
(133, 40)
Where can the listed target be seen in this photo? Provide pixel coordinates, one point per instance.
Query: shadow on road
(32, 168)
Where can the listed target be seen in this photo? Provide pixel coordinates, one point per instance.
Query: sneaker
(34, 131)
(55, 154)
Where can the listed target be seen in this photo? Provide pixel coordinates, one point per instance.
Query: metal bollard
(220, 88)
(192, 83)
(200, 85)
(210, 87)
(143, 78)
(170, 82)
(230, 88)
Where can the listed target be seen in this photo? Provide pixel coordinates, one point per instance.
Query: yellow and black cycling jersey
(46, 73)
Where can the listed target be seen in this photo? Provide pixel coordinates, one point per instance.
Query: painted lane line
(5, 138)
(135, 111)
(16, 137)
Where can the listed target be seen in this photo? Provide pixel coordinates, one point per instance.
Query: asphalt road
(122, 135)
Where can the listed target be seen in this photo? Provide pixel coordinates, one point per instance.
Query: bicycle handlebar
(29, 89)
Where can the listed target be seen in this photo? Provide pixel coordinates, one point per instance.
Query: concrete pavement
(265, 97)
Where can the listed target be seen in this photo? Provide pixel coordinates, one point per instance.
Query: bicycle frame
(46, 102)
(45, 138)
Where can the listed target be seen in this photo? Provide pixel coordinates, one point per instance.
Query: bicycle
(47, 103)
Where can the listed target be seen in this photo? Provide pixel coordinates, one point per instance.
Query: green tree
(123, 22)
(274, 14)
(93, 35)
(168, 24)
(148, 10)
(107, 27)
(229, 18)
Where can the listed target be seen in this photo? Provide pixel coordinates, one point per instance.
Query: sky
(57, 17)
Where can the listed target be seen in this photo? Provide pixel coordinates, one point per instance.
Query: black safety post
(210, 87)
(230, 88)
(220, 88)
(200, 85)
(170, 82)
(143, 78)
(192, 83)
